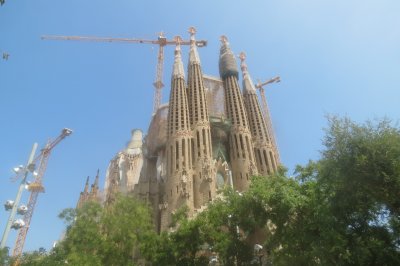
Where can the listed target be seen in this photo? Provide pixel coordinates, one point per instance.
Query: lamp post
(258, 251)
(24, 170)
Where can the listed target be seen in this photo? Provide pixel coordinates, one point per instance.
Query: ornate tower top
(224, 40)
(248, 86)
(227, 62)
(193, 55)
(95, 185)
(135, 144)
(85, 191)
(97, 177)
(177, 70)
(192, 31)
(243, 66)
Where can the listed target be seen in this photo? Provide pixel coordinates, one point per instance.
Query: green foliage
(4, 257)
(343, 209)
(103, 236)
(35, 258)
(180, 247)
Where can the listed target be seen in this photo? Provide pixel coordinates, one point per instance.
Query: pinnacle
(178, 70)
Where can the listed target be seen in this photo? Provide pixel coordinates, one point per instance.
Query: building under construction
(211, 134)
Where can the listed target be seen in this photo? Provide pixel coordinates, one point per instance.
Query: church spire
(248, 86)
(241, 147)
(264, 154)
(203, 179)
(96, 181)
(95, 187)
(193, 54)
(227, 62)
(86, 190)
(178, 185)
(84, 195)
(177, 70)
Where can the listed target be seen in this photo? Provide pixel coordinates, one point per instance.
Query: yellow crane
(267, 116)
(162, 41)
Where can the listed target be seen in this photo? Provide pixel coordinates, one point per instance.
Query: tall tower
(178, 186)
(94, 190)
(204, 175)
(263, 150)
(83, 197)
(240, 142)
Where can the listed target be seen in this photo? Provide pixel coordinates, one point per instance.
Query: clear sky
(334, 57)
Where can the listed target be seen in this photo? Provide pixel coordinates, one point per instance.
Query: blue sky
(334, 57)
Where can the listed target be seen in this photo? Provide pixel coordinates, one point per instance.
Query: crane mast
(162, 41)
(158, 83)
(267, 116)
(35, 188)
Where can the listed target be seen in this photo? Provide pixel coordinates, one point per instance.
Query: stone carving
(208, 170)
(163, 206)
(184, 176)
(184, 184)
(183, 133)
(252, 169)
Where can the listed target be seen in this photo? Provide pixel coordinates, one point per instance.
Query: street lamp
(17, 224)
(213, 260)
(8, 205)
(258, 252)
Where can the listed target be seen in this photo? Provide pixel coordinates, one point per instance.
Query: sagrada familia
(211, 134)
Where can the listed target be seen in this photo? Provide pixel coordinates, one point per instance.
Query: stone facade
(210, 135)
(94, 194)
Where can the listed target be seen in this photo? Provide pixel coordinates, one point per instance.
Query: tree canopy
(97, 235)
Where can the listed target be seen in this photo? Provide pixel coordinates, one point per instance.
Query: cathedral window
(236, 146)
(266, 162)
(176, 155)
(183, 149)
(241, 146)
(204, 141)
(192, 144)
(273, 161)
(220, 180)
(170, 158)
(249, 148)
(260, 162)
(198, 142)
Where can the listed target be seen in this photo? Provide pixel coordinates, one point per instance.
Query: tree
(4, 257)
(103, 236)
(359, 178)
(182, 246)
(342, 209)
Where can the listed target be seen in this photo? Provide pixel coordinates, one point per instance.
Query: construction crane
(161, 41)
(35, 188)
(267, 116)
